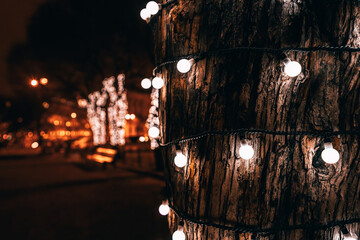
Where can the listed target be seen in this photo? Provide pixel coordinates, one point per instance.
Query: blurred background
(55, 183)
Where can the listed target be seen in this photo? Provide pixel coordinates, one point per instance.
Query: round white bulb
(146, 83)
(154, 132)
(330, 155)
(180, 160)
(145, 14)
(152, 7)
(157, 82)
(183, 66)
(34, 145)
(292, 68)
(164, 209)
(246, 151)
(178, 235)
(350, 238)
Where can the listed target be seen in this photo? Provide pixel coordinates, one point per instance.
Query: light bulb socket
(328, 145)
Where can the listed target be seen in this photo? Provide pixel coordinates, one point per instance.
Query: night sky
(74, 43)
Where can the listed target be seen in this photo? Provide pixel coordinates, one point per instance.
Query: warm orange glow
(30, 134)
(42, 133)
(34, 82)
(34, 145)
(142, 139)
(87, 125)
(127, 116)
(5, 136)
(67, 133)
(106, 151)
(146, 138)
(82, 103)
(87, 133)
(43, 81)
(45, 105)
(73, 115)
(132, 116)
(68, 124)
(56, 122)
(99, 158)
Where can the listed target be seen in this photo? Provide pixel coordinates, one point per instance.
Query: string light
(152, 7)
(34, 82)
(142, 139)
(146, 83)
(154, 132)
(153, 121)
(292, 68)
(329, 154)
(180, 159)
(34, 145)
(73, 115)
(164, 209)
(179, 235)
(157, 82)
(145, 14)
(184, 65)
(246, 151)
(44, 81)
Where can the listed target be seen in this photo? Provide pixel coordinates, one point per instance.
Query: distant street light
(34, 82)
(45, 105)
(82, 103)
(44, 81)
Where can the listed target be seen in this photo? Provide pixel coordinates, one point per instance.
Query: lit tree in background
(106, 112)
(279, 157)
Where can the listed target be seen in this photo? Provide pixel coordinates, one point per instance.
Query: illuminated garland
(291, 69)
(153, 122)
(193, 58)
(116, 111)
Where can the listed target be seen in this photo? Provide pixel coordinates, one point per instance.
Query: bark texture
(285, 182)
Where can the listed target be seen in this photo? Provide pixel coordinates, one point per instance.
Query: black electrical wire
(199, 56)
(241, 228)
(258, 132)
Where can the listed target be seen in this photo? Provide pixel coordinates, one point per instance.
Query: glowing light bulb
(180, 160)
(44, 81)
(45, 105)
(152, 7)
(142, 139)
(145, 14)
(157, 82)
(146, 83)
(350, 238)
(183, 66)
(164, 209)
(73, 115)
(292, 68)
(178, 235)
(154, 132)
(329, 154)
(132, 116)
(34, 145)
(34, 82)
(127, 116)
(246, 151)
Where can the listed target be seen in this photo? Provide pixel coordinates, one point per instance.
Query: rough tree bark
(286, 182)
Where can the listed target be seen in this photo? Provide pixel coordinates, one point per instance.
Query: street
(52, 198)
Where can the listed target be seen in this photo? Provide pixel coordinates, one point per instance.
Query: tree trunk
(286, 182)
